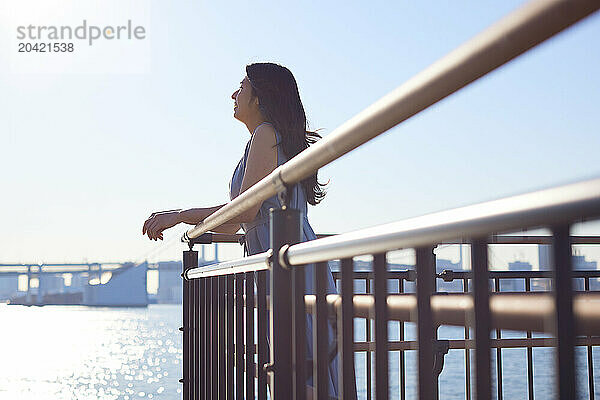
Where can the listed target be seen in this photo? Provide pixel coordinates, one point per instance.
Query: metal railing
(404, 278)
(220, 356)
(533, 312)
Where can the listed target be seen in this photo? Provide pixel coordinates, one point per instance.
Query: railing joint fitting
(184, 275)
(447, 275)
(269, 367)
(283, 257)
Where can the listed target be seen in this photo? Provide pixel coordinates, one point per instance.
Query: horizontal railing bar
(521, 274)
(460, 344)
(513, 239)
(212, 237)
(521, 30)
(520, 312)
(568, 203)
(411, 275)
(256, 262)
(61, 265)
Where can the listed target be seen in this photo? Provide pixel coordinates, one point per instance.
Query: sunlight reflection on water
(72, 352)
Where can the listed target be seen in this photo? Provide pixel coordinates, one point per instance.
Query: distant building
(9, 285)
(170, 283)
(579, 263)
(544, 251)
(50, 283)
(126, 287)
(515, 285)
(78, 282)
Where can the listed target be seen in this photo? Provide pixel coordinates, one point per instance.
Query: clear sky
(88, 155)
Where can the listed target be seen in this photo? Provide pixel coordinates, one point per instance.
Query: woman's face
(245, 105)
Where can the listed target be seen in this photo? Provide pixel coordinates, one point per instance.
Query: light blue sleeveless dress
(257, 241)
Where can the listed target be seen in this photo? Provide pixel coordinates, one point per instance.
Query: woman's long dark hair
(279, 102)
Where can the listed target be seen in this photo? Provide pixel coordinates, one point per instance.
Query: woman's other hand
(158, 222)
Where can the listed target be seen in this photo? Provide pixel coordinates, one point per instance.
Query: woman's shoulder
(264, 136)
(266, 129)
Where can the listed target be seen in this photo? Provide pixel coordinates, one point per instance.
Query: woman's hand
(158, 222)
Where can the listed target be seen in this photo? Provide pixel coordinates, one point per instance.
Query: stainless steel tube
(542, 208)
(257, 262)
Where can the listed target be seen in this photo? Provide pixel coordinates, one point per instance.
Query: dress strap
(262, 123)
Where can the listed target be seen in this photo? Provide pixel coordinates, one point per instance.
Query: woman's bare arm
(193, 216)
(227, 228)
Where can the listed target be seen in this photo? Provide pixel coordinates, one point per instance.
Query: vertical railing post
(425, 328)
(320, 333)
(346, 332)
(239, 337)
(435, 342)
(465, 287)
(299, 333)
(381, 327)
(190, 260)
(249, 319)
(479, 257)
(194, 353)
(530, 389)
(285, 229)
(262, 346)
(230, 335)
(201, 339)
(210, 389)
(205, 362)
(214, 338)
(590, 360)
(222, 337)
(499, 379)
(402, 357)
(565, 320)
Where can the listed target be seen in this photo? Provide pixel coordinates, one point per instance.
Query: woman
(269, 104)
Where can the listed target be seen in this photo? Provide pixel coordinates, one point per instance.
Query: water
(62, 352)
(452, 378)
(72, 352)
